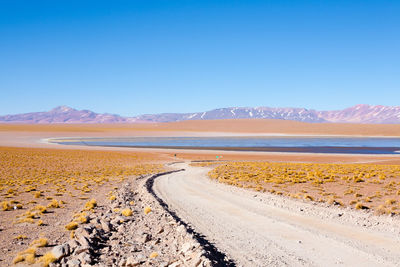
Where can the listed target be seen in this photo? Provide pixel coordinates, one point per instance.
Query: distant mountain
(363, 114)
(64, 114)
(296, 114)
(355, 114)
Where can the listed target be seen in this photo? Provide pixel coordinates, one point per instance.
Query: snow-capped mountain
(355, 114)
(297, 114)
(363, 114)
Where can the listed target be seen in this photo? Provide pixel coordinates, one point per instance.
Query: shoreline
(308, 150)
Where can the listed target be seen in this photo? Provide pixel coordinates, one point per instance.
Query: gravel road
(256, 229)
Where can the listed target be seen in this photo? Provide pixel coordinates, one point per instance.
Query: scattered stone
(131, 261)
(105, 226)
(73, 263)
(60, 251)
(112, 240)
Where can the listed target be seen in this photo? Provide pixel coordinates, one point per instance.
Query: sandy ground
(20, 135)
(262, 229)
(234, 127)
(252, 230)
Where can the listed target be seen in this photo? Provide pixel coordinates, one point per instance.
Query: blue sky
(136, 57)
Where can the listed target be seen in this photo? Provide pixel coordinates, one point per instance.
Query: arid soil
(248, 230)
(256, 229)
(21, 135)
(238, 126)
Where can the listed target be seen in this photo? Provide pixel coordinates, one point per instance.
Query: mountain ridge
(361, 113)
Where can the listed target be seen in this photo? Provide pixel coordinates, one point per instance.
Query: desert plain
(79, 205)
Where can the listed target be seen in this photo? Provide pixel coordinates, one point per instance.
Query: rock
(73, 244)
(131, 261)
(175, 264)
(186, 247)
(197, 260)
(180, 229)
(85, 258)
(60, 251)
(82, 232)
(73, 263)
(105, 226)
(144, 238)
(115, 243)
(83, 241)
(122, 262)
(80, 250)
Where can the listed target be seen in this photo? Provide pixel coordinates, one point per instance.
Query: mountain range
(356, 114)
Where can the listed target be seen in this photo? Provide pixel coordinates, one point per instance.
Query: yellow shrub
(90, 205)
(127, 212)
(41, 209)
(31, 250)
(390, 201)
(147, 210)
(53, 204)
(41, 242)
(20, 237)
(360, 206)
(71, 226)
(18, 258)
(153, 255)
(30, 258)
(6, 206)
(47, 258)
(308, 197)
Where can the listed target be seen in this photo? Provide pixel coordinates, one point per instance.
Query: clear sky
(149, 56)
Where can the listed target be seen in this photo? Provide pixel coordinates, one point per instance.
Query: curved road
(261, 233)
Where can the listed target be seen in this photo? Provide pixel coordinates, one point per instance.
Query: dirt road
(257, 229)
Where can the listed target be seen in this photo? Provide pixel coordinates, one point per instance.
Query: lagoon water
(354, 145)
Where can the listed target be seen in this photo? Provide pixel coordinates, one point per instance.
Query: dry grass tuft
(5, 205)
(53, 204)
(316, 181)
(18, 259)
(127, 212)
(47, 259)
(153, 255)
(147, 210)
(71, 226)
(360, 206)
(90, 205)
(41, 242)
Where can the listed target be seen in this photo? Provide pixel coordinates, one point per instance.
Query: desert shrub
(147, 210)
(41, 242)
(127, 212)
(71, 226)
(47, 258)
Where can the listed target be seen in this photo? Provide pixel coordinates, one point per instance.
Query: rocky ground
(146, 238)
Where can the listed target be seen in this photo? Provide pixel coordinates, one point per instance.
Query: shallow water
(354, 145)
